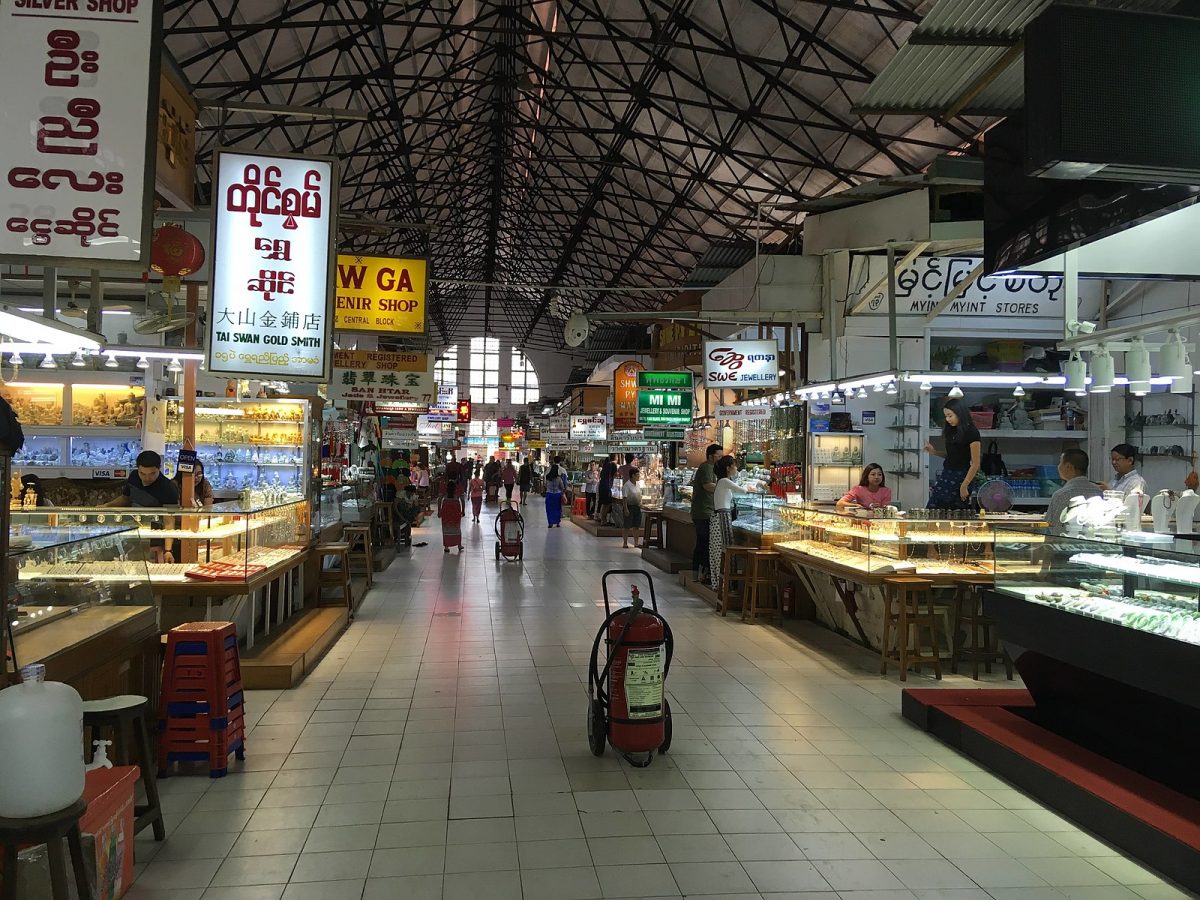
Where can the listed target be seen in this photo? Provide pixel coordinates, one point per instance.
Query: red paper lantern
(175, 252)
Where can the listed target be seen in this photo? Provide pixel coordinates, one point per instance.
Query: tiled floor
(439, 752)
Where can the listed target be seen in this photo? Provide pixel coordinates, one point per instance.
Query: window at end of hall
(445, 367)
(524, 380)
(485, 370)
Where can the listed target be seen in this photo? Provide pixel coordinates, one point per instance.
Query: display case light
(862, 393)
(111, 362)
(1103, 371)
(926, 386)
(174, 365)
(1018, 391)
(77, 360)
(48, 362)
(143, 363)
(16, 361)
(955, 392)
(891, 387)
(878, 389)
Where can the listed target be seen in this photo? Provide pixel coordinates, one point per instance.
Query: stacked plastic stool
(201, 706)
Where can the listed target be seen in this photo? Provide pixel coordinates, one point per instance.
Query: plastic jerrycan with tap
(41, 744)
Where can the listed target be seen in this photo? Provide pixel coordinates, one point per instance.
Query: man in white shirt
(1072, 469)
(1128, 480)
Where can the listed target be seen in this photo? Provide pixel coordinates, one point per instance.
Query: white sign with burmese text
(272, 269)
(589, 428)
(76, 129)
(741, 364)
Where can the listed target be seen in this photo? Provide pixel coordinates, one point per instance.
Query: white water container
(41, 744)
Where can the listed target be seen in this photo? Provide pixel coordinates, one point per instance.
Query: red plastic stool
(202, 709)
(579, 507)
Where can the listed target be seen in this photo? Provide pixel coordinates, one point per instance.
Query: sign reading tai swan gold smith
(378, 294)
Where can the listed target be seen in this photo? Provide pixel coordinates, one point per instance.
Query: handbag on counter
(992, 463)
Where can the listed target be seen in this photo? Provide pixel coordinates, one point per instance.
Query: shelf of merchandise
(1046, 435)
(1161, 570)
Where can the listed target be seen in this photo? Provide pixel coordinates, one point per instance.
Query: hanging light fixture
(1103, 370)
(862, 393)
(77, 360)
(891, 388)
(16, 361)
(111, 362)
(48, 362)
(174, 365)
(143, 363)
(926, 386)
(1075, 369)
(1183, 385)
(1137, 367)
(1018, 391)
(955, 392)
(1173, 359)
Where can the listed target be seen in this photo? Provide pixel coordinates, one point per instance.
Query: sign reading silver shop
(741, 364)
(272, 286)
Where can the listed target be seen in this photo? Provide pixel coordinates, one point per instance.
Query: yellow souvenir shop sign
(379, 294)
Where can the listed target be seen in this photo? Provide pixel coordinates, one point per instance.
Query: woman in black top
(963, 448)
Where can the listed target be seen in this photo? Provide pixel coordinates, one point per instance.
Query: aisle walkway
(439, 751)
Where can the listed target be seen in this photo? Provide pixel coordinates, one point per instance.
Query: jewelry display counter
(92, 628)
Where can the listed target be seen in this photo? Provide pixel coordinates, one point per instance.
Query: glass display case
(36, 404)
(246, 443)
(227, 544)
(915, 543)
(758, 522)
(836, 460)
(71, 583)
(330, 510)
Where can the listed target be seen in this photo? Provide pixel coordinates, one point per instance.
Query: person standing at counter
(1072, 468)
(147, 488)
(202, 490)
(604, 488)
(720, 524)
(704, 485)
(1128, 480)
(962, 453)
(871, 492)
(591, 484)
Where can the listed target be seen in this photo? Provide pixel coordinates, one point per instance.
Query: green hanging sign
(664, 407)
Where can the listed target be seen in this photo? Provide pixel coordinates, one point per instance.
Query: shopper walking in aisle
(720, 524)
(508, 477)
(423, 483)
(604, 488)
(591, 483)
(452, 475)
(477, 493)
(963, 451)
(704, 484)
(525, 479)
(631, 500)
(554, 497)
(451, 514)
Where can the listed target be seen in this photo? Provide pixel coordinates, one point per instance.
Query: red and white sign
(741, 364)
(742, 413)
(77, 130)
(271, 296)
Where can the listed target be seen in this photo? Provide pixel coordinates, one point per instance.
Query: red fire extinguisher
(627, 703)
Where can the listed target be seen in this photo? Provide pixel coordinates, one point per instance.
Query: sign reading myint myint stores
(741, 364)
(271, 300)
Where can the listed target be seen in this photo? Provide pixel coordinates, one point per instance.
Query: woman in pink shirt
(870, 492)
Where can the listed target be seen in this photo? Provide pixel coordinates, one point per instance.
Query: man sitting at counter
(148, 488)
(1072, 468)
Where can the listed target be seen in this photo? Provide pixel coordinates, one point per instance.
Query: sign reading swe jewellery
(271, 291)
(381, 295)
(741, 364)
(379, 375)
(77, 130)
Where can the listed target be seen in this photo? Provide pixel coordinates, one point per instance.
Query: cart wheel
(497, 553)
(666, 744)
(597, 727)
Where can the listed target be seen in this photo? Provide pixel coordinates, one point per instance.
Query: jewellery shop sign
(78, 129)
(382, 376)
(741, 364)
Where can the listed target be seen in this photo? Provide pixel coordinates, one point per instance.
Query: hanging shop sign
(625, 399)
(395, 438)
(589, 428)
(664, 434)
(77, 130)
(379, 375)
(175, 160)
(427, 428)
(662, 407)
(741, 364)
(378, 294)
(742, 413)
(271, 290)
(672, 381)
(462, 414)
(536, 445)
(925, 283)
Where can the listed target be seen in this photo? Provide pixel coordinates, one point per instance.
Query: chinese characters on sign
(76, 129)
(379, 375)
(380, 295)
(625, 395)
(271, 284)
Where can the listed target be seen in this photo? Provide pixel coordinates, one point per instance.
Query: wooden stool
(982, 642)
(902, 596)
(50, 830)
(358, 540)
(763, 577)
(384, 521)
(653, 530)
(337, 578)
(126, 714)
(730, 576)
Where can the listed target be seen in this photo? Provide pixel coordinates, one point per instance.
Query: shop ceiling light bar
(17, 324)
(155, 352)
(980, 379)
(1110, 336)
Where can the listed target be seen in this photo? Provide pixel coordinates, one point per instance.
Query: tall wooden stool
(982, 641)
(731, 576)
(384, 522)
(358, 552)
(763, 578)
(50, 830)
(902, 597)
(653, 530)
(337, 578)
(126, 716)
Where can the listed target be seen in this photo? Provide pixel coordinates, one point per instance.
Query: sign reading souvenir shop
(741, 364)
(271, 288)
(380, 295)
(664, 407)
(79, 130)
(379, 375)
